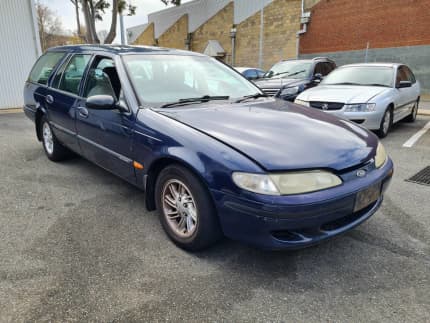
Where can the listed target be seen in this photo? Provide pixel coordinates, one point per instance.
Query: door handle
(83, 112)
(49, 99)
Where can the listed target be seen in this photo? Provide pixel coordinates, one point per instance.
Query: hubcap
(387, 120)
(47, 138)
(179, 208)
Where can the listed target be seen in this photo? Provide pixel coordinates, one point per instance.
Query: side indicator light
(137, 165)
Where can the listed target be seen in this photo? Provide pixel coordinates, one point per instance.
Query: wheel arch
(37, 121)
(154, 171)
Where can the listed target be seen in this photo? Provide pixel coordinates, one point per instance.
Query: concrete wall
(416, 57)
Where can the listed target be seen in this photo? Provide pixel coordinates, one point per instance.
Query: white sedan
(375, 95)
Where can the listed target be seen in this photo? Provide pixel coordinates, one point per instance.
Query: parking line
(411, 141)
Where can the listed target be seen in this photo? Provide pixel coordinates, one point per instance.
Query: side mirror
(101, 102)
(403, 84)
(317, 78)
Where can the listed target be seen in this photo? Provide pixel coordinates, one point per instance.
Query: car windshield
(162, 79)
(361, 75)
(289, 69)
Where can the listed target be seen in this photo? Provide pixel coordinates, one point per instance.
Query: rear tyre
(413, 116)
(186, 210)
(386, 123)
(54, 150)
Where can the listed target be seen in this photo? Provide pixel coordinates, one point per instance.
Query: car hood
(278, 83)
(279, 135)
(342, 93)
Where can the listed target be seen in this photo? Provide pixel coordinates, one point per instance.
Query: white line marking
(417, 136)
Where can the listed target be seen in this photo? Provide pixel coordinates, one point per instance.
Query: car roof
(374, 65)
(122, 49)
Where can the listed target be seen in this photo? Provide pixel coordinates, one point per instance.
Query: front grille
(422, 177)
(326, 105)
(270, 92)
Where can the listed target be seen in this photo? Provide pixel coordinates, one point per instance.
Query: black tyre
(386, 123)
(413, 116)
(54, 150)
(186, 210)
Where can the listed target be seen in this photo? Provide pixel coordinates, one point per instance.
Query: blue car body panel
(215, 139)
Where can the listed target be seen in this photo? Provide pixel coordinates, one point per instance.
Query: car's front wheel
(186, 210)
(386, 123)
(54, 150)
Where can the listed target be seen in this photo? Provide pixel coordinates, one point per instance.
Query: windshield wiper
(344, 83)
(204, 98)
(282, 73)
(377, 84)
(252, 96)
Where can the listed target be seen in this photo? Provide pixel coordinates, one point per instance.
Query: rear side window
(70, 77)
(44, 67)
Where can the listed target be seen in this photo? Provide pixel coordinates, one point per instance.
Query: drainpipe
(304, 20)
(260, 54)
(233, 45)
(188, 41)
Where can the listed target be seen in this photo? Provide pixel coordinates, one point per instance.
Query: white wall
(19, 49)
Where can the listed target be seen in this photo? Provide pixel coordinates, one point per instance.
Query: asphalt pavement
(78, 245)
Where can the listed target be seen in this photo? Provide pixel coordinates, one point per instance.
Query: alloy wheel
(179, 208)
(48, 139)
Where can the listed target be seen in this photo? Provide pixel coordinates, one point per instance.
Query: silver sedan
(375, 95)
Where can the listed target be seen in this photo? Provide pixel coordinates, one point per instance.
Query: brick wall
(281, 22)
(341, 25)
(217, 28)
(175, 36)
(147, 37)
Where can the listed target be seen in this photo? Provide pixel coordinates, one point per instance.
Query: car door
(405, 96)
(105, 136)
(63, 97)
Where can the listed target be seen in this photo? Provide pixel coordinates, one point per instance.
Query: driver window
(319, 69)
(103, 79)
(401, 75)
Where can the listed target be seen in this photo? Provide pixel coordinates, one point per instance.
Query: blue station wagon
(215, 156)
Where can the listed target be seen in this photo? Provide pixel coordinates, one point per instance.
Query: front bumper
(369, 120)
(302, 220)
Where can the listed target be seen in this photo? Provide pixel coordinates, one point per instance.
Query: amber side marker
(137, 165)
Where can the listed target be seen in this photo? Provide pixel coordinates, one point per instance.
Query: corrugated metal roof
(134, 32)
(199, 11)
(19, 49)
(243, 9)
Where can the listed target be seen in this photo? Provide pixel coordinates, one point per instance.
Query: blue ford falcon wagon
(215, 156)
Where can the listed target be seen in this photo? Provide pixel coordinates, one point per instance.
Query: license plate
(367, 197)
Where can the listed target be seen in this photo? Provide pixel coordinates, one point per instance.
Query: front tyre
(186, 210)
(54, 150)
(386, 123)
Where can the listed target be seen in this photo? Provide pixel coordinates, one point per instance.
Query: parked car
(251, 73)
(289, 78)
(375, 95)
(214, 155)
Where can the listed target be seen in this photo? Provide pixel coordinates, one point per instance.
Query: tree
(78, 20)
(94, 10)
(50, 28)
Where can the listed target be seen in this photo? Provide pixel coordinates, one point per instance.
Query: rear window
(44, 67)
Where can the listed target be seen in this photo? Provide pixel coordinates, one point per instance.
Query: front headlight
(381, 156)
(362, 107)
(290, 91)
(287, 183)
(301, 102)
